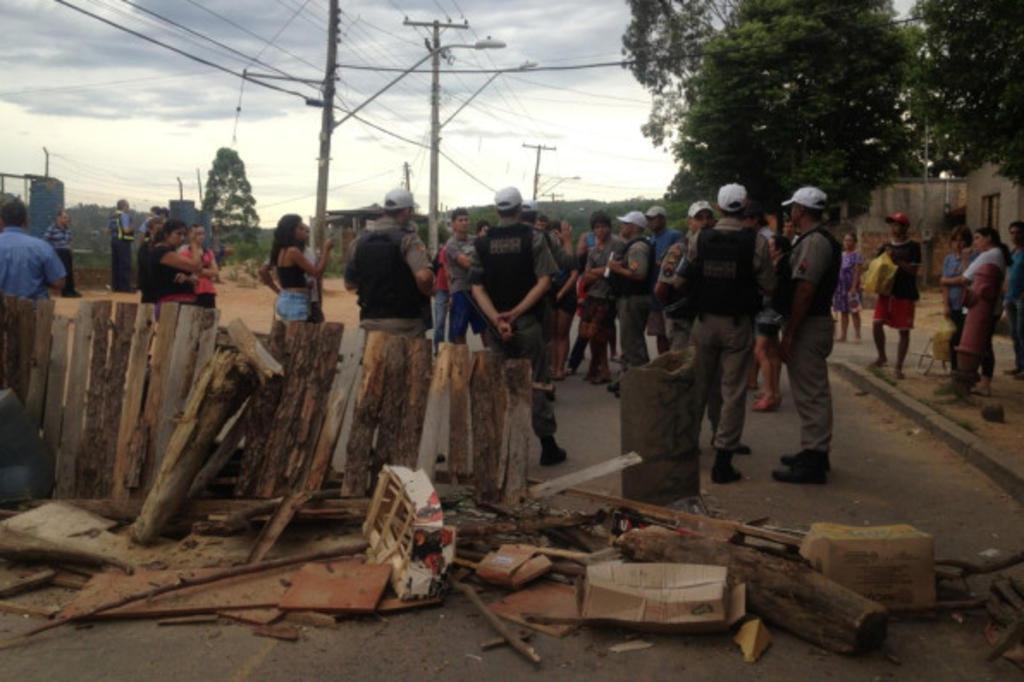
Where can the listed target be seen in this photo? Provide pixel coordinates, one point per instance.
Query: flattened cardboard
(513, 566)
(661, 597)
(893, 565)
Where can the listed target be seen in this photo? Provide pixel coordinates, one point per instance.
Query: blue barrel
(26, 468)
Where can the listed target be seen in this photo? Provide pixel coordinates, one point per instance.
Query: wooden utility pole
(326, 126)
(536, 170)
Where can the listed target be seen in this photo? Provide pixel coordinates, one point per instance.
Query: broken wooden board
(264, 616)
(459, 431)
(433, 441)
(280, 519)
(610, 466)
(53, 412)
(17, 609)
(200, 619)
(75, 405)
(285, 633)
(27, 583)
(39, 361)
(61, 532)
(131, 402)
(246, 342)
(549, 598)
(260, 590)
(393, 604)
(337, 587)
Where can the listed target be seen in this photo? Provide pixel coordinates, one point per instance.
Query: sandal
(767, 405)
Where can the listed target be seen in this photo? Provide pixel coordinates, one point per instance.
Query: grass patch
(880, 373)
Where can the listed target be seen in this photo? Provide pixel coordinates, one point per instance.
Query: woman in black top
(153, 231)
(171, 275)
(292, 266)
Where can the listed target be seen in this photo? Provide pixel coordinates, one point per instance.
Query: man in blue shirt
(1015, 296)
(121, 237)
(59, 236)
(27, 264)
(662, 238)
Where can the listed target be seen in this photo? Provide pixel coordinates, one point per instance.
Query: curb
(998, 466)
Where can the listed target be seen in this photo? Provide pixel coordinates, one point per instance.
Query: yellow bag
(880, 276)
(940, 342)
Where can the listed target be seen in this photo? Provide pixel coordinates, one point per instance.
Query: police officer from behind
(730, 269)
(807, 339)
(510, 274)
(631, 272)
(121, 237)
(390, 271)
(670, 287)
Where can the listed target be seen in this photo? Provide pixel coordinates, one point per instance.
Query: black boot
(808, 467)
(550, 453)
(742, 449)
(723, 472)
(790, 460)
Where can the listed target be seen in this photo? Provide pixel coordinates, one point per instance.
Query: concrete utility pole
(435, 119)
(46, 171)
(326, 126)
(408, 184)
(536, 171)
(181, 190)
(199, 182)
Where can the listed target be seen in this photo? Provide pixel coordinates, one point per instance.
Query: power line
(102, 84)
(330, 189)
(511, 69)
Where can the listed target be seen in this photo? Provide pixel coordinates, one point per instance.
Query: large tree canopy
(228, 195)
(775, 93)
(973, 78)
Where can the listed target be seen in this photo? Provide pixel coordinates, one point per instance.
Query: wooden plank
(550, 598)
(432, 440)
(225, 449)
(27, 583)
(272, 530)
(115, 389)
(407, 379)
(26, 337)
(16, 609)
(259, 416)
(40, 362)
(488, 400)
(366, 416)
(246, 342)
(53, 413)
(337, 587)
(75, 405)
(609, 466)
(337, 405)
(459, 460)
(90, 463)
(131, 402)
(517, 438)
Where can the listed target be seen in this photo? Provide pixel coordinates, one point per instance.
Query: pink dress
(846, 299)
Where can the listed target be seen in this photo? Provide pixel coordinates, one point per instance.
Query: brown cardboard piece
(671, 598)
(513, 566)
(893, 565)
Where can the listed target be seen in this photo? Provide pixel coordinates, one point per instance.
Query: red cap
(898, 217)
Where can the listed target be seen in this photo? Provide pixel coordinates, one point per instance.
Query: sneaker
(791, 460)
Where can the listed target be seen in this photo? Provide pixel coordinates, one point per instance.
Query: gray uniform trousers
(633, 312)
(680, 332)
(725, 345)
(528, 342)
(808, 382)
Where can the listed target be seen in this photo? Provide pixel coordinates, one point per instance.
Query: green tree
(973, 78)
(228, 196)
(778, 93)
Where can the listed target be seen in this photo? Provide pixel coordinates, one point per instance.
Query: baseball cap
(507, 198)
(698, 206)
(529, 205)
(898, 217)
(655, 211)
(397, 199)
(811, 197)
(731, 197)
(634, 218)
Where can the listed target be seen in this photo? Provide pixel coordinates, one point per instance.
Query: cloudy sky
(124, 118)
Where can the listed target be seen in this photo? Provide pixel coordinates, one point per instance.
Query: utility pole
(555, 198)
(326, 125)
(181, 190)
(536, 171)
(199, 182)
(46, 172)
(435, 119)
(408, 184)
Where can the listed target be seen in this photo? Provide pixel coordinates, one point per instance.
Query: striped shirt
(57, 237)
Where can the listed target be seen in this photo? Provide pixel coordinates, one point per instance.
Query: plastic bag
(880, 276)
(940, 342)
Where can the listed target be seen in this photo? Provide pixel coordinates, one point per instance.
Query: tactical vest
(625, 286)
(822, 303)
(117, 230)
(387, 287)
(724, 270)
(506, 254)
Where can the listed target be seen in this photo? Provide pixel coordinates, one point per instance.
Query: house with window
(993, 200)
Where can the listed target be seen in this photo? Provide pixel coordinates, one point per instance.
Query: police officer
(631, 271)
(679, 315)
(510, 274)
(807, 339)
(564, 260)
(663, 239)
(390, 271)
(729, 268)
(121, 237)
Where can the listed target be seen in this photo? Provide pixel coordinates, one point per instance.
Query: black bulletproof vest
(822, 304)
(387, 288)
(725, 268)
(506, 254)
(624, 286)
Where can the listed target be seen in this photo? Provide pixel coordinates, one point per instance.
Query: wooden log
(381, 351)
(23, 547)
(28, 583)
(330, 431)
(523, 526)
(489, 401)
(272, 530)
(259, 415)
(218, 393)
(75, 405)
(513, 640)
(225, 449)
(518, 437)
(132, 399)
(247, 343)
(26, 335)
(787, 593)
(240, 520)
(610, 466)
(40, 362)
(459, 460)
(435, 425)
(114, 379)
(89, 462)
(53, 413)
(408, 381)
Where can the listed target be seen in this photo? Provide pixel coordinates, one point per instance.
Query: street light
(558, 181)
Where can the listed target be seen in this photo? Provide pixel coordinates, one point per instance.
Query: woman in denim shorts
(292, 267)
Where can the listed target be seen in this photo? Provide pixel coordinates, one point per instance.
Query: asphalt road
(884, 471)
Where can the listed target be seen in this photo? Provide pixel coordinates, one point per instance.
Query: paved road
(884, 471)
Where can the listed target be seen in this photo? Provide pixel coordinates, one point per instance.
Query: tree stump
(501, 398)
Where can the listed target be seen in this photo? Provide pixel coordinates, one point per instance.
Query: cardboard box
(513, 566)
(893, 565)
(661, 597)
(405, 528)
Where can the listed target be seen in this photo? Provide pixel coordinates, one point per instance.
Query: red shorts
(897, 313)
